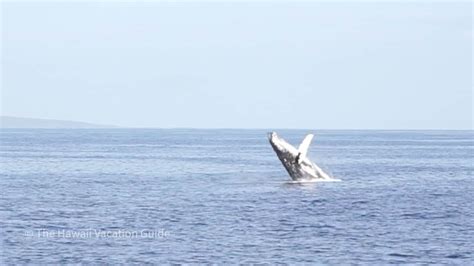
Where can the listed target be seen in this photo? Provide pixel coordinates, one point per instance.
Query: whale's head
(274, 140)
(272, 135)
(280, 146)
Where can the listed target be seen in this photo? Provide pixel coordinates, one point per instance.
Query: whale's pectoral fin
(303, 148)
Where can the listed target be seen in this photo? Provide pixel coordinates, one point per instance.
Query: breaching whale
(294, 160)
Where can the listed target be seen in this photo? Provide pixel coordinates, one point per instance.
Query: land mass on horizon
(26, 122)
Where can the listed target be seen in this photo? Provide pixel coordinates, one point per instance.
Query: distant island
(23, 122)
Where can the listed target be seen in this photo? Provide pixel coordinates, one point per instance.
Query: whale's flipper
(304, 146)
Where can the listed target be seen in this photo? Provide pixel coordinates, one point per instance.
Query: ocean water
(222, 196)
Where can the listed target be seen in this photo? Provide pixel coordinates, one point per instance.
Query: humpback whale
(298, 166)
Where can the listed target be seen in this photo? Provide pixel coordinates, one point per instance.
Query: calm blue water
(221, 196)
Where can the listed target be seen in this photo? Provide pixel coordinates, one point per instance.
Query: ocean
(222, 196)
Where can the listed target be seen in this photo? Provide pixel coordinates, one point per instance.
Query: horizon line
(244, 128)
(93, 125)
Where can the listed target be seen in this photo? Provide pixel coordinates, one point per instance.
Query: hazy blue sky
(251, 65)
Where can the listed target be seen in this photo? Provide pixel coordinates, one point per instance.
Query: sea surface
(222, 196)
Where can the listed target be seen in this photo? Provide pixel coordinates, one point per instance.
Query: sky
(312, 65)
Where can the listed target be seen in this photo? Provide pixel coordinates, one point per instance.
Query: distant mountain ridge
(24, 122)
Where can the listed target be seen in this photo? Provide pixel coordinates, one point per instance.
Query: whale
(295, 160)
